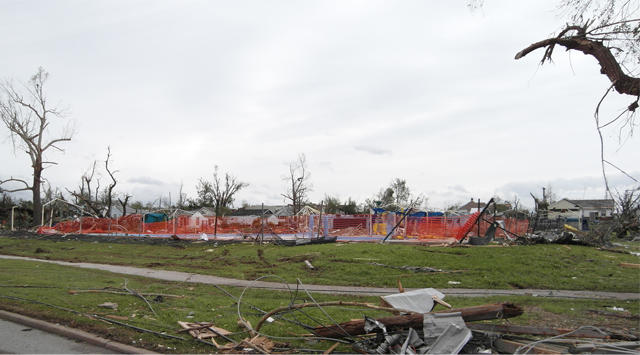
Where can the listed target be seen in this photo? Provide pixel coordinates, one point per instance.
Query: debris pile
(414, 327)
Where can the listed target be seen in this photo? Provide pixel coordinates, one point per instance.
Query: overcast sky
(369, 90)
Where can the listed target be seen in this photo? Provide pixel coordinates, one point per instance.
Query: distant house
(207, 211)
(304, 211)
(581, 209)
(471, 207)
(256, 210)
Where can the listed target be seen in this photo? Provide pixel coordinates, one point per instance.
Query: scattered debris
(109, 305)
(113, 316)
(419, 301)
(469, 314)
(409, 268)
(202, 330)
(306, 262)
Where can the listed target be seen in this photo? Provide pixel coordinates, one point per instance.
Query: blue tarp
(155, 217)
(415, 214)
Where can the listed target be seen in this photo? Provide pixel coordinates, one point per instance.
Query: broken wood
(469, 314)
(207, 328)
(440, 302)
(331, 348)
(113, 316)
(630, 265)
(400, 288)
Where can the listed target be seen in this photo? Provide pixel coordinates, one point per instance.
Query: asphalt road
(352, 290)
(20, 339)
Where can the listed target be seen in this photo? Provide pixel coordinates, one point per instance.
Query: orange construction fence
(456, 227)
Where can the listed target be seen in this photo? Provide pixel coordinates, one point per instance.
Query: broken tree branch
(609, 66)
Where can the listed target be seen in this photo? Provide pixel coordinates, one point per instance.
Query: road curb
(75, 334)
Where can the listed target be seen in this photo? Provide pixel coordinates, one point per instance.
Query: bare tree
(298, 183)
(224, 189)
(108, 195)
(123, 202)
(27, 115)
(182, 197)
(90, 196)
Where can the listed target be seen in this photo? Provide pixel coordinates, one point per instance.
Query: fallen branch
(135, 293)
(73, 292)
(469, 314)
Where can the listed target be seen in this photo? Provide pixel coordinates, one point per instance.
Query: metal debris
(419, 301)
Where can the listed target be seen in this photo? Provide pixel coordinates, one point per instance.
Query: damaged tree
(607, 31)
(90, 196)
(298, 183)
(28, 116)
(604, 30)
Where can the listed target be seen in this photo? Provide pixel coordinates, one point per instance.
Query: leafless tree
(108, 195)
(224, 189)
(90, 195)
(123, 202)
(27, 114)
(182, 197)
(298, 185)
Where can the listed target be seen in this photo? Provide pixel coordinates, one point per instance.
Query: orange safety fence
(327, 225)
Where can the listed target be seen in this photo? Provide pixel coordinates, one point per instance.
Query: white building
(579, 209)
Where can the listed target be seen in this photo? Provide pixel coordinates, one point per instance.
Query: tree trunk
(37, 201)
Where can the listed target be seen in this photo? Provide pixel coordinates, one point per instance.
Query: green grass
(208, 303)
(537, 266)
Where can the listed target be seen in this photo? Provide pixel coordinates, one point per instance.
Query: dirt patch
(262, 258)
(40, 250)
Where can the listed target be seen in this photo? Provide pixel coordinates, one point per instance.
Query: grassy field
(51, 284)
(538, 266)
